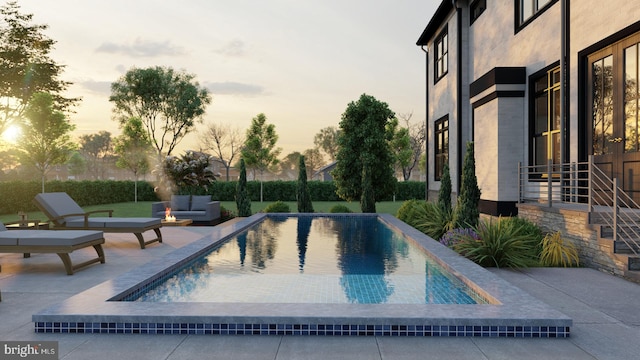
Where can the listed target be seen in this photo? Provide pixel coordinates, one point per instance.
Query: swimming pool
(509, 313)
(330, 259)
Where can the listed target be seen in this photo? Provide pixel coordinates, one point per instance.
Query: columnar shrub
(467, 213)
(304, 200)
(243, 202)
(444, 195)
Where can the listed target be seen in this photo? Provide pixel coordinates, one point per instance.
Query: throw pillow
(199, 202)
(180, 202)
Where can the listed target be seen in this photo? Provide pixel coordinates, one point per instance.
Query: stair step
(634, 263)
(620, 247)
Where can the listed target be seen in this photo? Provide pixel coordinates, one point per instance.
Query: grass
(143, 208)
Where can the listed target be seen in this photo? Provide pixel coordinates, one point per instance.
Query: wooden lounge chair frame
(59, 222)
(61, 250)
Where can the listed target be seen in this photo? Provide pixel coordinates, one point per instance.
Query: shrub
(243, 202)
(501, 244)
(339, 209)
(432, 220)
(277, 207)
(444, 194)
(406, 209)
(304, 200)
(467, 213)
(225, 214)
(557, 252)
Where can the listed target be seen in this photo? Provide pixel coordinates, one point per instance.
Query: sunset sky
(298, 62)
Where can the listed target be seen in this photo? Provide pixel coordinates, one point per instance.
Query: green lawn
(143, 208)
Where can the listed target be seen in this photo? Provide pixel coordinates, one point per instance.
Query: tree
(364, 145)
(313, 161)
(327, 141)
(24, 55)
(98, 150)
(304, 199)
(260, 150)
(289, 165)
(243, 202)
(46, 139)
(400, 144)
(77, 164)
(467, 213)
(225, 142)
(444, 195)
(417, 137)
(133, 148)
(168, 103)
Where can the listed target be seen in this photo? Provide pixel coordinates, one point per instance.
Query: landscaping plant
(499, 244)
(467, 213)
(557, 252)
(277, 207)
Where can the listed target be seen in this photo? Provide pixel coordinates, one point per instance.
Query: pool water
(328, 259)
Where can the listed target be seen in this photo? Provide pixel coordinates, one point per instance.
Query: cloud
(234, 48)
(142, 48)
(235, 88)
(99, 87)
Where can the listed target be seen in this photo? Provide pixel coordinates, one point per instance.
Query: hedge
(18, 195)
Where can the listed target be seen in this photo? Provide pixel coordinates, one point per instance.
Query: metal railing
(583, 183)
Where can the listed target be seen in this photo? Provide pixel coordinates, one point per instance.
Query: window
(477, 8)
(441, 154)
(544, 120)
(441, 58)
(527, 10)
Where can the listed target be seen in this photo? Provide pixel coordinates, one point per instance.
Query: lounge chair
(61, 242)
(65, 213)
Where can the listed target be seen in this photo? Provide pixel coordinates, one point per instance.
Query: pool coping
(513, 314)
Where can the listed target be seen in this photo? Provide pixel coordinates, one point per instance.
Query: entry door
(613, 99)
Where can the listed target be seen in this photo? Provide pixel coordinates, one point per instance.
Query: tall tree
(168, 103)
(46, 139)
(260, 150)
(77, 164)
(133, 149)
(224, 141)
(98, 150)
(304, 199)
(364, 145)
(25, 66)
(327, 141)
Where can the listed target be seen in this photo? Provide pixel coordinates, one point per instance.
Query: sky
(300, 62)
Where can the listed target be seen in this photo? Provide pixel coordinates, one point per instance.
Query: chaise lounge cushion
(6, 238)
(64, 205)
(59, 237)
(107, 222)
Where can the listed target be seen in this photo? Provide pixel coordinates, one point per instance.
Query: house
(494, 77)
(548, 91)
(324, 173)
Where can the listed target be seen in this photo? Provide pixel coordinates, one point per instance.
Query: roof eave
(436, 21)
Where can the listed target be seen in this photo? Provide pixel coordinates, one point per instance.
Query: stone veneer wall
(574, 225)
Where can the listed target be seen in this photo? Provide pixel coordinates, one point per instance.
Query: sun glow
(11, 134)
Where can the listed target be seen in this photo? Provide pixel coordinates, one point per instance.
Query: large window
(441, 153)
(527, 10)
(441, 61)
(545, 118)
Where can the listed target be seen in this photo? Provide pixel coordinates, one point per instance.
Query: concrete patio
(605, 312)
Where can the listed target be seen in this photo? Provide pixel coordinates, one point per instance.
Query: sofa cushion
(57, 237)
(199, 202)
(180, 202)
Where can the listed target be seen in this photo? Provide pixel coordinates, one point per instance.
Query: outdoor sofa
(198, 208)
(65, 213)
(61, 242)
